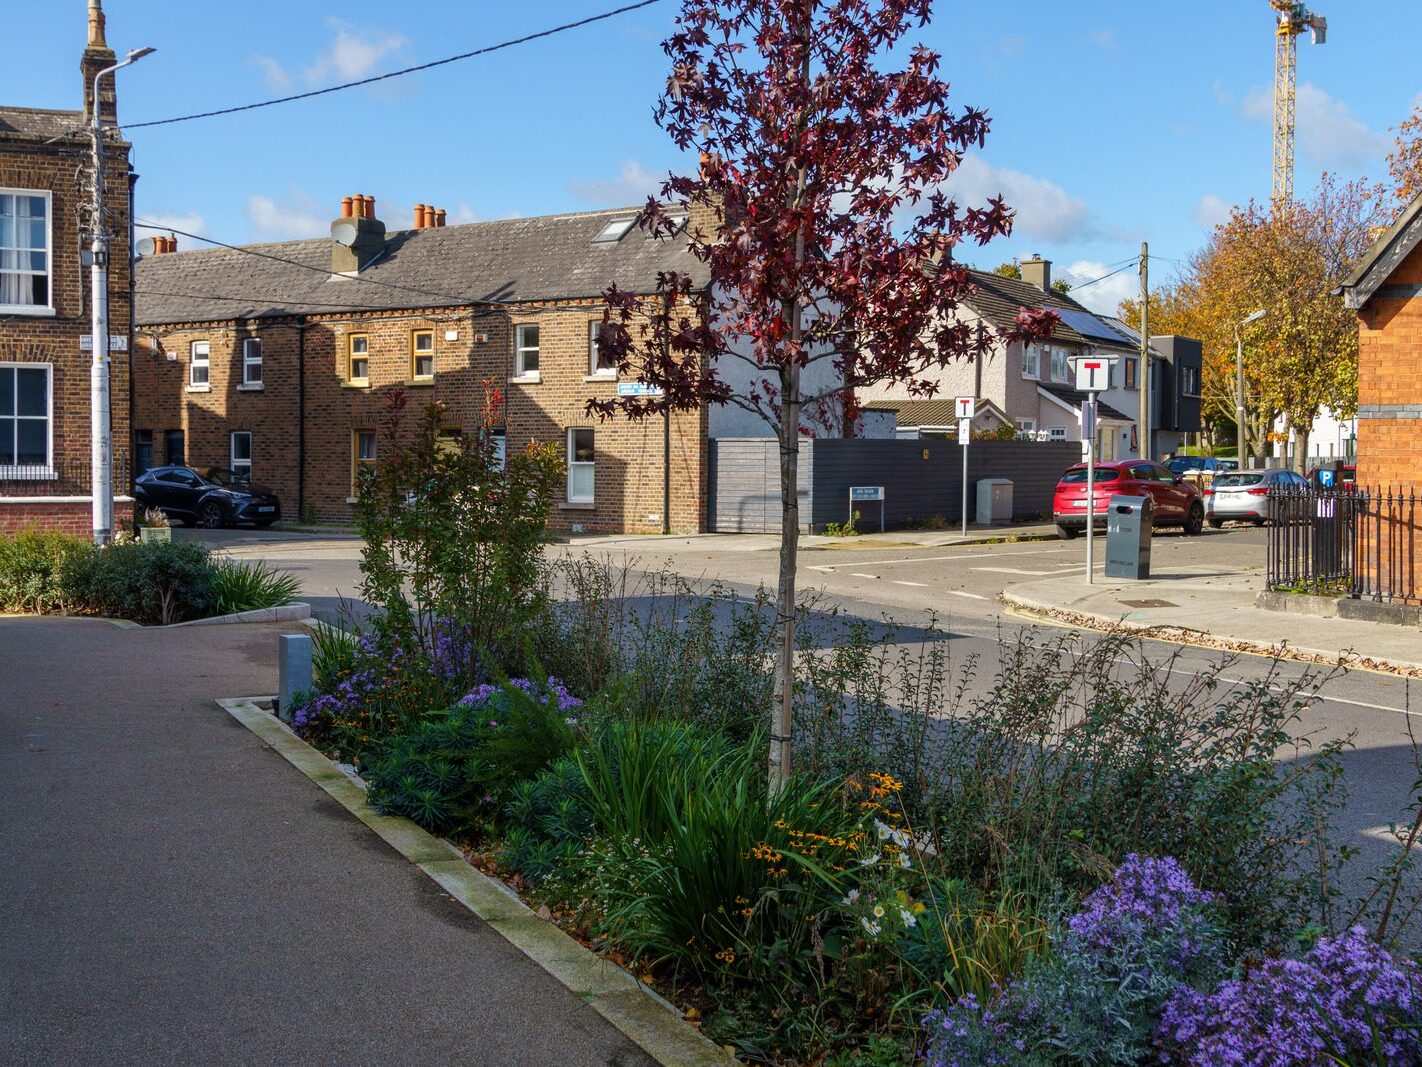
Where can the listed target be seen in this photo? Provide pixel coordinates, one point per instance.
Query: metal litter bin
(1130, 520)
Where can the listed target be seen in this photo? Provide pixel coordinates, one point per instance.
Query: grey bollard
(293, 671)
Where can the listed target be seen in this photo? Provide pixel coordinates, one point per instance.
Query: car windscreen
(223, 476)
(1225, 481)
(1103, 474)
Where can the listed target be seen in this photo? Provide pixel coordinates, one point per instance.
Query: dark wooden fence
(922, 479)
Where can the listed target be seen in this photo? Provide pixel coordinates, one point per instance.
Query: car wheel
(1195, 520)
(1215, 524)
(210, 515)
(1067, 533)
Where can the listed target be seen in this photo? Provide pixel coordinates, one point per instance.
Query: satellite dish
(146, 247)
(343, 232)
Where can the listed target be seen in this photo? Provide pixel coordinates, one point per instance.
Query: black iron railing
(1360, 543)
(66, 476)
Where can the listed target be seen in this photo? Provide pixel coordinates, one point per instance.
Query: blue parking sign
(1325, 478)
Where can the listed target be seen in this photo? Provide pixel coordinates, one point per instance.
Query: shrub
(547, 824)
(159, 582)
(240, 586)
(1096, 997)
(451, 773)
(332, 655)
(1347, 1001)
(31, 564)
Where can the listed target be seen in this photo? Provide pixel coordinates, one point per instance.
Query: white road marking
(1323, 695)
(856, 574)
(1019, 570)
(1383, 833)
(921, 585)
(964, 592)
(827, 567)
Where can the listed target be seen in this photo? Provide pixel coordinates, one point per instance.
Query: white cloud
(286, 220)
(1326, 132)
(464, 213)
(353, 54)
(1103, 38)
(633, 184)
(188, 222)
(1044, 210)
(1223, 96)
(273, 73)
(1103, 297)
(1210, 211)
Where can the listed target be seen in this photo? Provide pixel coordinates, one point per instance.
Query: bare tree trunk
(792, 310)
(783, 716)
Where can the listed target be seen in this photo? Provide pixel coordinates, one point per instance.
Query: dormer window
(614, 231)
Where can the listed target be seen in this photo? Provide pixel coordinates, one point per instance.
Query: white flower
(878, 911)
(872, 929)
(907, 917)
(904, 861)
(869, 861)
(882, 829)
(852, 897)
(900, 838)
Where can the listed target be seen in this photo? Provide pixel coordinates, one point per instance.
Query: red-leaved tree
(831, 258)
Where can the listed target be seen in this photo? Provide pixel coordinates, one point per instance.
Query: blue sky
(1114, 121)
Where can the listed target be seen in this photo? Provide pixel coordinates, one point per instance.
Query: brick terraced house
(45, 304)
(279, 360)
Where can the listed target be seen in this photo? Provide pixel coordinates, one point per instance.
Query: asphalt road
(957, 588)
(174, 892)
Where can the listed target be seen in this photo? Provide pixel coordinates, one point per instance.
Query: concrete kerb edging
(1033, 609)
(645, 1018)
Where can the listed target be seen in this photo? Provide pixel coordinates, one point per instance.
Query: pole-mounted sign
(1093, 374)
(966, 407)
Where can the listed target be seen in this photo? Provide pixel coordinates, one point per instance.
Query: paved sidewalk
(175, 892)
(1216, 605)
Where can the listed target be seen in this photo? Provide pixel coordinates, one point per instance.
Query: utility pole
(100, 430)
(1147, 451)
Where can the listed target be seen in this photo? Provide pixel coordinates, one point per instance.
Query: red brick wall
(1390, 373)
(70, 516)
(629, 466)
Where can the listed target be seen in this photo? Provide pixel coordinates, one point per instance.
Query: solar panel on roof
(1088, 325)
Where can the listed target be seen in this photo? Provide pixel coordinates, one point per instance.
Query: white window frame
(416, 354)
(37, 309)
(1031, 361)
(1060, 361)
(589, 465)
(205, 347)
(29, 470)
(238, 465)
(522, 349)
(595, 371)
(252, 362)
(1026, 429)
(1056, 433)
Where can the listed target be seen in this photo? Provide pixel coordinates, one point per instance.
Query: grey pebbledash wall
(920, 479)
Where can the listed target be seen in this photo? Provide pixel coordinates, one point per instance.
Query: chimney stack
(1038, 271)
(98, 56)
(350, 255)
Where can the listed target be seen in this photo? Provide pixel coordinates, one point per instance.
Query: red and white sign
(1093, 374)
(966, 407)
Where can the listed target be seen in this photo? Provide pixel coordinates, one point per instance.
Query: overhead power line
(400, 73)
(1102, 278)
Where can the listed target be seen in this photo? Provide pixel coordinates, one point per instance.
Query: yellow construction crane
(1294, 19)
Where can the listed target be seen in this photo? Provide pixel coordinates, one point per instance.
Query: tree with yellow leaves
(1404, 162)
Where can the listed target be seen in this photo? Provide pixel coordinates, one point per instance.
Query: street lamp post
(1239, 410)
(100, 429)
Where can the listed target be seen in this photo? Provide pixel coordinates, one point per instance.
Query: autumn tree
(1013, 269)
(824, 144)
(1404, 162)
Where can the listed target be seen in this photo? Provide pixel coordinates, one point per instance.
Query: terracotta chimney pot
(346, 210)
(370, 207)
(422, 216)
(439, 217)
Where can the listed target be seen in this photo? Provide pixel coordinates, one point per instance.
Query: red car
(1177, 502)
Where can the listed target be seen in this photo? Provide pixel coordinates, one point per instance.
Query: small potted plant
(154, 526)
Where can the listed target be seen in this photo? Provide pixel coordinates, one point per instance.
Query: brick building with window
(280, 361)
(45, 304)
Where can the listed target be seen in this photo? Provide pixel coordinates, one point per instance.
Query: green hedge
(30, 568)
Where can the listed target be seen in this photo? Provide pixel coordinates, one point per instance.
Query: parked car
(215, 499)
(1177, 502)
(1201, 465)
(1244, 495)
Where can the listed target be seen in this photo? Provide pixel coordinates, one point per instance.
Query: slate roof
(1386, 255)
(549, 257)
(1076, 397)
(38, 123)
(998, 300)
